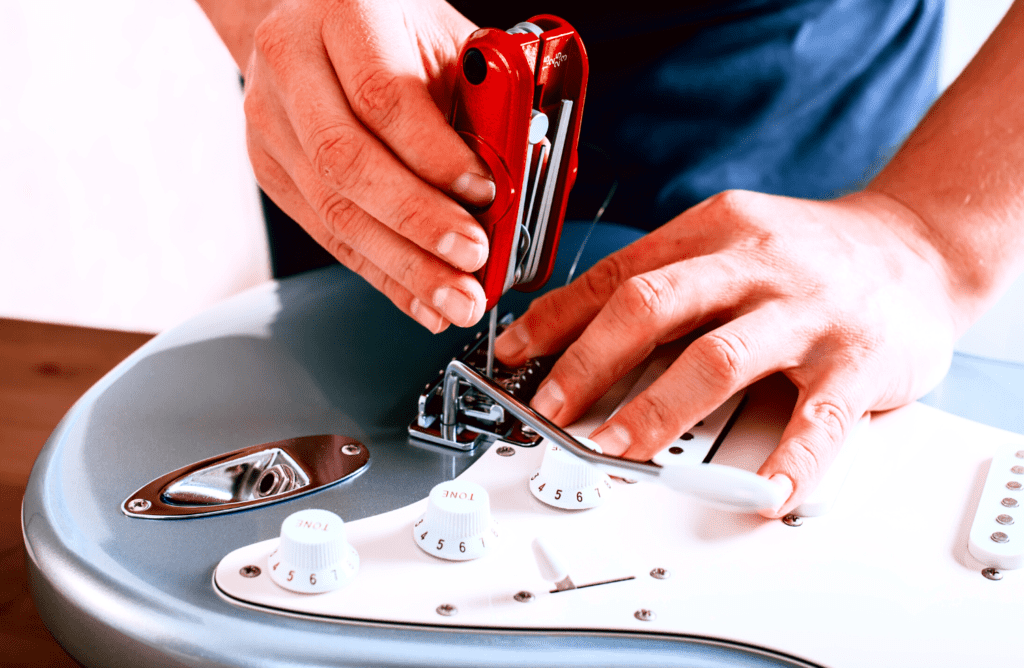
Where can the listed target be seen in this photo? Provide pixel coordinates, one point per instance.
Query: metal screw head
(350, 449)
(1004, 519)
(1000, 537)
(1019, 470)
(645, 615)
(1014, 485)
(524, 597)
(1009, 502)
(1020, 454)
(661, 574)
(139, 505)
(792, 520)
(506, 451)
(249, 571)
(992, 573)
(447, 610)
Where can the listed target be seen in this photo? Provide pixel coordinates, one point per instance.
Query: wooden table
(44, 368)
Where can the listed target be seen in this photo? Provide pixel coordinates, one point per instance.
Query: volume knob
(566, 481)
(457, 524)
(313, 555)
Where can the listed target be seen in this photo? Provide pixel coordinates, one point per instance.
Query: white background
(126, 199)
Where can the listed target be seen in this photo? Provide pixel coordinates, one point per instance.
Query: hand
(346, 133)
(849, 299)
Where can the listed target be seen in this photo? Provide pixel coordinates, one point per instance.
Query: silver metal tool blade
(492, 328)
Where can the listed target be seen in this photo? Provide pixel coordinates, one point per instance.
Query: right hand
(345, 129)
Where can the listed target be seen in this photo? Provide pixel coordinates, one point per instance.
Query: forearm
(235, 21)
(962, 173)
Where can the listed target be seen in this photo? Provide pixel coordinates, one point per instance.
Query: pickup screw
(506, 451)
(139, 505)
(792, 520)
(645, 615)
(661, 574)
(350, 449)
(447, 610)
(992, 573)
(249, 571)
(524, 597)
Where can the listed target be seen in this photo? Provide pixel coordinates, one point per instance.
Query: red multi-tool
(517, 102)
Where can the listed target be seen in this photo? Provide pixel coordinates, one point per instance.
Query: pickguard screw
(1000, 537)
(350, 449)
(447, 610)
(661, 574)
(506, 451)
(524, 597)
(992, 573)
(1017, 470)
(139, 505)
(249, 571)
(792, 520)
(645, 615)
(1005, 519)
(1020, 454)
(1009, 502)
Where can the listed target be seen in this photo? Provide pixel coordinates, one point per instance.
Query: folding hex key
(517, 102)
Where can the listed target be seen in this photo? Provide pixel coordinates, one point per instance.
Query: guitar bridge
(480, 419)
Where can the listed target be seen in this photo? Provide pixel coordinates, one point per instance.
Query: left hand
(850, 299)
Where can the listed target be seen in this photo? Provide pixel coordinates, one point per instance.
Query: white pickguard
(884, 578)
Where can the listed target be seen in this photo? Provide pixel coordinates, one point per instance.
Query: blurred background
(127, 197)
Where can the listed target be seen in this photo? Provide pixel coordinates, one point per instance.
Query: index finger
(388, 86)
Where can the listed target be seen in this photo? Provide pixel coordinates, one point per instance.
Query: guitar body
(883, 578)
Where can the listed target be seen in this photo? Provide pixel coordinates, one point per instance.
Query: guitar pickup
(517, 103)
(481, 419)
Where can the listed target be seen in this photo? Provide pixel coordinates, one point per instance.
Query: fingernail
(613, 439)
(454, 305)
(462, 252)
(784, 483)
(549, 399)
(474, 189)
(511, 342)
(427, 316)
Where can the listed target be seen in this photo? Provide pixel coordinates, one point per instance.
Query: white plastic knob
(457, 524)
(566, 481)
(313, 555)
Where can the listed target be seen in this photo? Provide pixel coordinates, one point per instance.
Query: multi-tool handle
(517, 102)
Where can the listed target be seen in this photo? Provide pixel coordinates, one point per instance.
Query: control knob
(566, 481)
(457, 524)
(313, 555)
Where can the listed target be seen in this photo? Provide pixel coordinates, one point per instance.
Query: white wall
(126, 199)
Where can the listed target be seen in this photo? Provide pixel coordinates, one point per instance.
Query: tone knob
(566, 481)
(457, 524)
(313, 555)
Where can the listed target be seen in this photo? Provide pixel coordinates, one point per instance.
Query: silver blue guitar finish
(318, 354)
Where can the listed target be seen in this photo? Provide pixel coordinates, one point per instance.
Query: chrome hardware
(1009, 502)
(249, 477)
(992, 574)
(1005, 520)
(506, 451)
(249, 571)
(1000, 537)
(645, 615)
(661, 574)
(792, 520)
(524, 597)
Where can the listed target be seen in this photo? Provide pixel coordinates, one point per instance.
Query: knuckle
(722, 358)
(730, 203)
(832, 416)
(339, 155)
(271, 39)
(376, 96)
(337, 212)
(646, 298)
(408, 218)
(601, 280)
(660, 419)
(576, 363)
